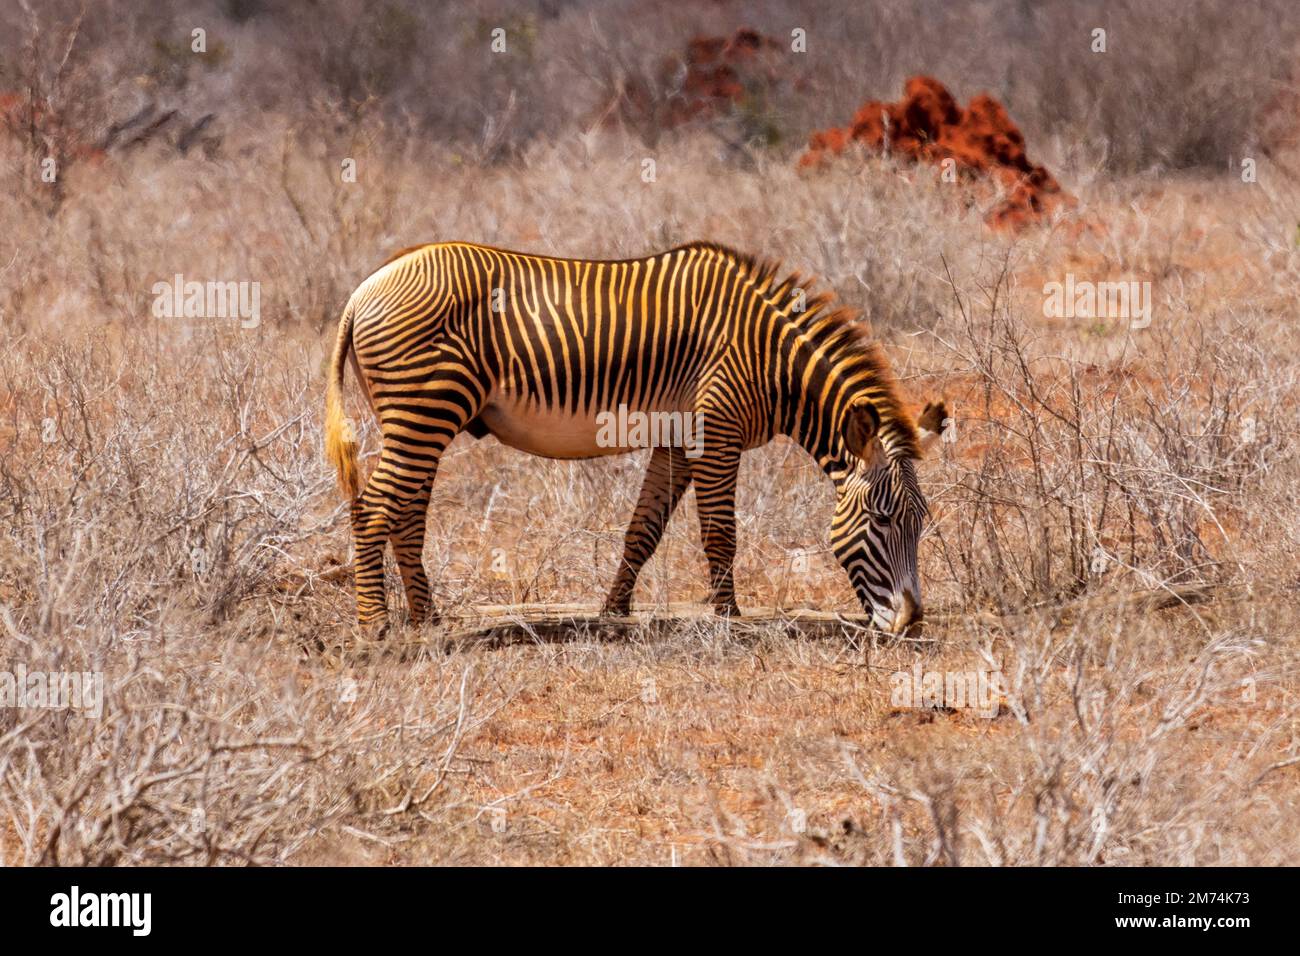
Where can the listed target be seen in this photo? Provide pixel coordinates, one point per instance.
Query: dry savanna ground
(1115, 534)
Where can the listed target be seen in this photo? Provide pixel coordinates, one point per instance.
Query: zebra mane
(402, 252)
(845, 339)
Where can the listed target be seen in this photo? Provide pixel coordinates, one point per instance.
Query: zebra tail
(340, 441)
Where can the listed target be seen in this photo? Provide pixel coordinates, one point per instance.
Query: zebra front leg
(715, 500)
(666, 480)
(407, 539)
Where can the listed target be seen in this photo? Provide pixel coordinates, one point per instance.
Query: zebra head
(879, 514)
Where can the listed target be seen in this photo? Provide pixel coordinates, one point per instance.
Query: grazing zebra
(541, 351)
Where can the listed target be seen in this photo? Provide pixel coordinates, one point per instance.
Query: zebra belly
(564, 433)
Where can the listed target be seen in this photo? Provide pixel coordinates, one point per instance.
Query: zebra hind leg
(666, 480)
(417, 428)
(391, 488)
(407, 539)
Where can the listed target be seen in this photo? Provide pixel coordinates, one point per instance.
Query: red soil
(928, 125)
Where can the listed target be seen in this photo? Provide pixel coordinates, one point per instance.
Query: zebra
(459, 337)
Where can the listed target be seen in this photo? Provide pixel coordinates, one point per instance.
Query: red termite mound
(715, 75)
(719, 68)
(928, 125)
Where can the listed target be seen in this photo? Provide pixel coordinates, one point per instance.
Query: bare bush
(1086, 473)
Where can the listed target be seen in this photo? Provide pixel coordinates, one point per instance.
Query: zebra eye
(881, 518)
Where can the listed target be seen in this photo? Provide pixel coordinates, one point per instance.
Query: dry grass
(166, 520)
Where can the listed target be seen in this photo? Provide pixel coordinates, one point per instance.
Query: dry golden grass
(176, 529)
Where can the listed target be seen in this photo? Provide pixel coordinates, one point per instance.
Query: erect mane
(844, 338)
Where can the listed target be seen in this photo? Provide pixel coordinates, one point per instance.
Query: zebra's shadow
(496, 627)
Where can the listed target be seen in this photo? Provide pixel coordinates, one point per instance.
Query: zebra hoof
(617, 605)
(427, 619)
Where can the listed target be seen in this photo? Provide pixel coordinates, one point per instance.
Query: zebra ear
(933, 421)
(861, 422)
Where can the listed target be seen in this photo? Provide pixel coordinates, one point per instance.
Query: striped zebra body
(544, 352)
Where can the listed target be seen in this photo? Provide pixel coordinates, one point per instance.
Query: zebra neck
(820, 361)
(816, 423)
